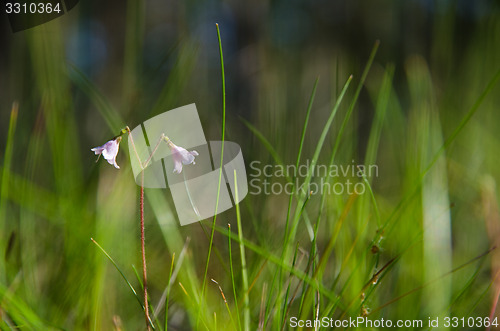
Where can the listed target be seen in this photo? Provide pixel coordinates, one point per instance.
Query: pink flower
(180, 155)
(109, 150)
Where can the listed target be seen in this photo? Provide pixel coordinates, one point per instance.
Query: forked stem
(143, 241)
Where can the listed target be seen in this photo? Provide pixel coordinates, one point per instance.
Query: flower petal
(109, 151)
(187, 158)
(180, 156)
(115, 164)
(177, 166)
(97, 150)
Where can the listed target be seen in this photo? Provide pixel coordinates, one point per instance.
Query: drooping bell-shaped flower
(109, 151)
(180, 155)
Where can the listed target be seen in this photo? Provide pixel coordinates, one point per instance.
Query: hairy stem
(144, 269)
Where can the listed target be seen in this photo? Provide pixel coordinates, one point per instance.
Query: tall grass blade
(246, 301)
(220, 168)
(232, 276)
(168, 292)
(123, 276)
(293, 230)
(4, 188)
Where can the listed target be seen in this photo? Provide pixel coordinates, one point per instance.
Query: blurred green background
(426, 115)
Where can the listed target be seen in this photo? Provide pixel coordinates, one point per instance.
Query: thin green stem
(162, 137)
(127, 129)
(246, 301)
(220, 172)
(168, 293)
(225, 303)
(299, 154)
(190, 198)
(372, 196)
(232, 275)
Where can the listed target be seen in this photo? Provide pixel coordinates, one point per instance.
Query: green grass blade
(246, 301)
(278, 262)
(491, 84)
(168, 293)
(123, 276)
(319, 146)
(380, 113)
(290, 198)
(172, 277)
(355, 98)
(285, 301)
(19, 312)
(4, 188)
(403, 203)
(223, 80)
(232, 276)
(267, 145)
(108, 112)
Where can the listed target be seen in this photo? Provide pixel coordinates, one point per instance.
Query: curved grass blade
(220, 172)
(123, 276)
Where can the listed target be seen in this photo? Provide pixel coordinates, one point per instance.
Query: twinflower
(180, 155)
(109, 150)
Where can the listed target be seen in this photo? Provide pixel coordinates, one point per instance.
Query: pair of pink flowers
(180, 155)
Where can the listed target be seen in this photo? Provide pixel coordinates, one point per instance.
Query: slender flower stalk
(109, 150)
(145, 165)
(143, 250)
(189, 197)
(143, 238)
(180, 157)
